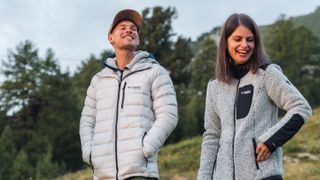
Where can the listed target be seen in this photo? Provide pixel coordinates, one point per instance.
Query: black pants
(273, 178)
(141, 178)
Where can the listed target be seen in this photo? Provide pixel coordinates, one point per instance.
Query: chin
(243, 61)
(130, 47)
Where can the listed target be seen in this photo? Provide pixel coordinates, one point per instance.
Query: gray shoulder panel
(265, 66)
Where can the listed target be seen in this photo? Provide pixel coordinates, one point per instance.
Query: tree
(3, 121)
(45, 168)
(7, 153)
(202, 70)
(295, 49)
(20, 86)
(179, 58)
(203, 67)
(156, 32)
(21, 168)
(60, 119)
(41, 106)
(191, 91)
(85, 72)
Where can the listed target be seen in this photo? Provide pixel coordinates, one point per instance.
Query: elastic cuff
(271, 146)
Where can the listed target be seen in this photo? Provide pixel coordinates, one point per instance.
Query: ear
(110, 38)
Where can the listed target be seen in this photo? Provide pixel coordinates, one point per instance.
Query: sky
(74, 29)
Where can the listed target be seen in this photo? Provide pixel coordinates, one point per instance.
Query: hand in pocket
(263, 152)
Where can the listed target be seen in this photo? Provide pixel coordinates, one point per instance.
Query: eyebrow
(238, 36)
(130, 26)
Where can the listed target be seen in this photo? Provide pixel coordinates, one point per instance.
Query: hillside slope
(311, 21)
(181, 161)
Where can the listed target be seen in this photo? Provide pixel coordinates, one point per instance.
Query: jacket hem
(276, 177)
(147, 175)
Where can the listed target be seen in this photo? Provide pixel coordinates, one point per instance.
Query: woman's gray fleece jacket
(242, 114)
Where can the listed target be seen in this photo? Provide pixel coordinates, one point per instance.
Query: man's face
(124, 36)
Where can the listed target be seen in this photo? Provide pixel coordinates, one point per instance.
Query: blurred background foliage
(40, 105)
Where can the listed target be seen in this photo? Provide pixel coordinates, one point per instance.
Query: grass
(181, 161)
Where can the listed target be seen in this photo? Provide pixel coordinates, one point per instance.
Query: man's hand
(263, 152)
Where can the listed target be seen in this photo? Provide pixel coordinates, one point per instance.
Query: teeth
(129, 37)
(243, 52)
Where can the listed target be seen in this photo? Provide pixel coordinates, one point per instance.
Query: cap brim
(126, 14)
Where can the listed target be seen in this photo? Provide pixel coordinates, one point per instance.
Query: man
(130, 108)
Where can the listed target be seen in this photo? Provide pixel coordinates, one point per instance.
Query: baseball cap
(126, 14)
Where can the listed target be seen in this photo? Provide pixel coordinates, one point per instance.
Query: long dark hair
(223, 70)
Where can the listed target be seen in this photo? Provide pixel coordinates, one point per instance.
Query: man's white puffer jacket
(127, 116)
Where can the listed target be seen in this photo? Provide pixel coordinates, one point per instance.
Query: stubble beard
(129, 47)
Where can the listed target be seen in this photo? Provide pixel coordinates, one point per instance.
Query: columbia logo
(134, 87)
(246, 92)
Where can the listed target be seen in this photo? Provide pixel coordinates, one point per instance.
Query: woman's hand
(263, 152)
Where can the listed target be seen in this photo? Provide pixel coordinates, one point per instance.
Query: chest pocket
(244, 101)
(136, 94)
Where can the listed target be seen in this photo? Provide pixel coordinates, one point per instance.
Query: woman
(243, 138)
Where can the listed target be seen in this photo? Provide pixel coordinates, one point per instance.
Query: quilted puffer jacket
(127, 116)
(244, 113)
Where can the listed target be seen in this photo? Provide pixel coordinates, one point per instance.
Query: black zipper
(214, 166)
(117, 117)
(123, 94)
(234, 128)
(91, 164)
(116, 127)
(215, 161)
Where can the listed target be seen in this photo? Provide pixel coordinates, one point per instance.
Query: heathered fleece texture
(240, 115)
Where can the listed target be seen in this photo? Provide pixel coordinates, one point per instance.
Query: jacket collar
(238, 71)
(141, 60)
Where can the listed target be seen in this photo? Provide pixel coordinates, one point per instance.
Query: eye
(250, 39)
(237, 39)
(133, 28)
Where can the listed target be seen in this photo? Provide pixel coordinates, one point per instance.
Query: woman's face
(240, 44)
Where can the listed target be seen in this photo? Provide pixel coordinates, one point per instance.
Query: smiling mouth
(243, 52)
(128, 36)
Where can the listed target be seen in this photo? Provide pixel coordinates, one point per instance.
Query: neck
(123, 58)
(239, 70)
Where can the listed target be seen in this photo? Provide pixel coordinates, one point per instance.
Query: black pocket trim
(145, 133)
(244, 102)
(254, 151)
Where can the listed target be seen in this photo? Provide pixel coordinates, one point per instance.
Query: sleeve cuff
(271, 146)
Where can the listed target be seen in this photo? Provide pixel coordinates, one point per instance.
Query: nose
(244, 43)
(129, 31)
